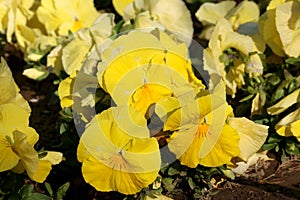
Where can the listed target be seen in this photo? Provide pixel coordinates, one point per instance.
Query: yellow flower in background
(13, 13)
(290, 124)
(117, 156)
(209, 14)
(60, 17)
(8, 88)
(288, 26)
(280, 27)
(71, 56)
(120, 5)
(154, 64)
(172, 16)
(225, 57)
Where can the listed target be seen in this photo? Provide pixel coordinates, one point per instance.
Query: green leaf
(191, 183)
(172, 171)
(269, 146)
(168, 184)
(49, 189)
(63, 128)
(62, 190)
(247, 98)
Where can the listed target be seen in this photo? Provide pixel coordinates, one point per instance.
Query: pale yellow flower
(280, 28)
(13, 13)
(70, 57)
(60, 17)
(232, 73)
(161, 14)
(209, 14)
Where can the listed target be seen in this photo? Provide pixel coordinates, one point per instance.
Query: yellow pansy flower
(161, 14)
(209, 14)
(8, 88)
(211, 134)
(117, 156)
(120, 5)
(60, 17)
(154, 66)
(288, 125)
(16, 143)
(13, 13)
(231, 66)
(70, 57)
(17, 138)
(280, 28)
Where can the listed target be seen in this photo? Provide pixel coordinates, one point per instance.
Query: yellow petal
(35, 74)
(8, 158)
(285, 103)
(10, 88)
(64, 92)
(274, 3)
(8, 119)
(288, 26)
(120, 5)
(295, 129)
(64, 16)
(210, 13)
(283, 127)
(115, 180)
(45, 165)
(224, 149)
(267, 28)
(252, 135)
(27, 154)
(72, 59)
(162, 16)
(246, 11)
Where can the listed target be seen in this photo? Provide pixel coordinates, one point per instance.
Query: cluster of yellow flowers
(147, 72)
(17, 139)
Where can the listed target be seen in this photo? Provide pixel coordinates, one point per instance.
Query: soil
(265, 180)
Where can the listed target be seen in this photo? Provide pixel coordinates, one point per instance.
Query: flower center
(77, 24)
(202, 130)
(117, 161)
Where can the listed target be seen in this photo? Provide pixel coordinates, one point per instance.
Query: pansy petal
(28, 156)
(8, 158)
(252, 135)
(45, 165)
(210, 13)
(103, 178)
(287, 24)
(120, 5)
(295, 129)
(285, 103)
